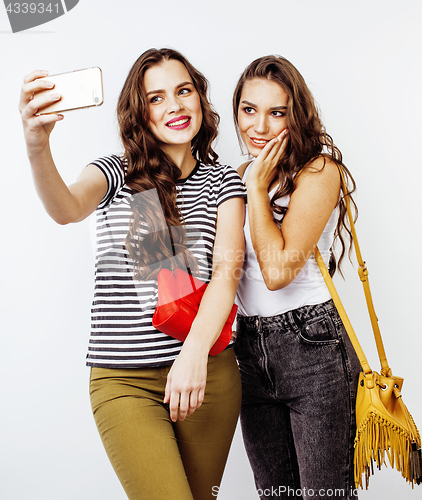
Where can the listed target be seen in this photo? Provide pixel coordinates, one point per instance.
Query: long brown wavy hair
(308, 138)
(147, 167)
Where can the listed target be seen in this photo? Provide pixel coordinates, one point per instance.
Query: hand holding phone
(77, 89)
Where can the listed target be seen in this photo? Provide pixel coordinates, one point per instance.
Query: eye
(278, 113)
(156, 98)
(185, 91)
(248, 110)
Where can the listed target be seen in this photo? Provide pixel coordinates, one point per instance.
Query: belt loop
(258, 323)
(293, 320)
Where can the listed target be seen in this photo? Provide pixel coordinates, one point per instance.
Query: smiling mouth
(259, 142)
(178, 123)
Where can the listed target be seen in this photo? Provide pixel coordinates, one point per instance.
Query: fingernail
(55, 96)
(49, 85)
(44, 72)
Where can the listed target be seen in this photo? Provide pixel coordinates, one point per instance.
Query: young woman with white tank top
(308, 288)
(298, 368)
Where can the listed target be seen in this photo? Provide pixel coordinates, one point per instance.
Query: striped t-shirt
(122, 335)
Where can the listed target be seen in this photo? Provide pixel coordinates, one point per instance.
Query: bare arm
(63, 203)
(282, 253)
(186, 380)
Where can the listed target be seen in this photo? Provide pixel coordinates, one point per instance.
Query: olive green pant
(154, 458)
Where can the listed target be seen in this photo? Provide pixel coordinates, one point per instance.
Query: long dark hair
(308, 138)
(147, 167)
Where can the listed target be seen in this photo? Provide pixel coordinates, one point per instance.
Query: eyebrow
(274, 108)
(162, 91)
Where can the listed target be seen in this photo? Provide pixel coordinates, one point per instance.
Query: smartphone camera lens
(96, 96)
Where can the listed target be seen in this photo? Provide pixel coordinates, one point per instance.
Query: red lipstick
(179, 123)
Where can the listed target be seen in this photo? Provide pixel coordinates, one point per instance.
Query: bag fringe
(376, 437)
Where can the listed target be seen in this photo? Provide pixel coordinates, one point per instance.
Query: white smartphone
(78, 89)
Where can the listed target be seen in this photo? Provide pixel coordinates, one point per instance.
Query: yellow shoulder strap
(363, 275)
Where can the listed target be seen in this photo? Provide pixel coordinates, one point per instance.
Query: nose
(175, 104)
(261, 125)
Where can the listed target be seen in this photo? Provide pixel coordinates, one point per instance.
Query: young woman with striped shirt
(166, 411)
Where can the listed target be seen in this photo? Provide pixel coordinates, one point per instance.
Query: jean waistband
(293, 318)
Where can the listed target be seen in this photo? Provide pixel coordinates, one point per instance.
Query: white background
(362, 61)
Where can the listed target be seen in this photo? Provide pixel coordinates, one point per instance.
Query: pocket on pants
(319, 331)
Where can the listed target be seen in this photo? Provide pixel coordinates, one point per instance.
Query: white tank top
(308, 288)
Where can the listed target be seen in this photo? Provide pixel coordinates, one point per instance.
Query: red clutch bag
(179, 296)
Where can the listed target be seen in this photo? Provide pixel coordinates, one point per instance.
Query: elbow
(271, 285)
(62, 220)
(65, 213)
(275, 279)
(65, 217)
(230, 274)
(274, 285)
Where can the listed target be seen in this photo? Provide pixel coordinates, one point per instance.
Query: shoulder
(319, 180)
(321, 169)
(219, 171)
(222, 180)
(241, 170)
(110, 163)
(230, 176)
(113, 168)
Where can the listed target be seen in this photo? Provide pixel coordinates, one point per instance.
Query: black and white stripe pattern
(122, 335)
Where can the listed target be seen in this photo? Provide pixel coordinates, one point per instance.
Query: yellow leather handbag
(384, 426)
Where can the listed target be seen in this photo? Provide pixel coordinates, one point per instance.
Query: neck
(182, 158)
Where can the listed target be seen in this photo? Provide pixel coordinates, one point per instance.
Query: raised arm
(63, 203)
(282, 252)
(187, 378)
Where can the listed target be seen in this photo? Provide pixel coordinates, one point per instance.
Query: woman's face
(174, 104)
(262, 113)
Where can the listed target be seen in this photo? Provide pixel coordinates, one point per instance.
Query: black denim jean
(299, 376)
